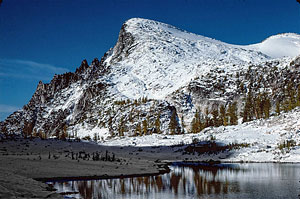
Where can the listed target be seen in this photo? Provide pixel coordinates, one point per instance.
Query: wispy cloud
(27, 69)
(7, 108)
(36, 65)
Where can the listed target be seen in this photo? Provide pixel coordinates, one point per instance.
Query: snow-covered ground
(264, 137)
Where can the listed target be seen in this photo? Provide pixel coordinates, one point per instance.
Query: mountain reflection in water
(195, 181)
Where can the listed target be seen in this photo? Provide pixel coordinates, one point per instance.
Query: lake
(196, 180)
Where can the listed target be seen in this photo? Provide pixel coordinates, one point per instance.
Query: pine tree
(232, 112)
(27, 129)
(145, 127)
(290, 92)
(4, 131)
(248, 108)
(215, 114)
(42, 135)
(207, 120)
(298, 97)
(149, 124)
(223, 116)
(130, 118)
(258, 107)
(196, 123)
(110, 122)
(286, 105)
(278, 108)
(182, 124)
(95, 138)
(64, 133)
(157, 123)
(121, 127)
(34, 134)
(173, 123)
(266, 106)
(138, 130)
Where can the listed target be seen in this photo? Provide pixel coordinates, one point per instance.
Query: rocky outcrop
(123, 45)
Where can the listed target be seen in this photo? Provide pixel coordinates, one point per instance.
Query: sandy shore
(26, 164)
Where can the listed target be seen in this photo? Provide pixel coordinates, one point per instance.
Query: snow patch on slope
(278, 46)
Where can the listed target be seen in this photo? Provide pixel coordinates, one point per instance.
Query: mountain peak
(172, 56)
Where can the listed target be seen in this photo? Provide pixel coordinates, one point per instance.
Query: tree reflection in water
(193, 181)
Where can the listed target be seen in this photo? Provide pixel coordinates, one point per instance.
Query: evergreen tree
(182, 124)
(248, 108)
(42, 135)
(64, 133)
(286, 105)
(266, 106)
(196, 123)
(145, 127)
(258, 107)
(277, 108)
(110, 122)
(232, 113)
(149, 123)
(121, 127)
(157, 123)
(95, 138)
(290, 92)
(138, 130)
(215, 114)
(223, 116)
(173, 123)
(4, 131)
(298, 97)
(207, 120)
(27, 129)
(130, 118)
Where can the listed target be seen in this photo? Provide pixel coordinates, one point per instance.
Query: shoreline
(26, 165)
(102, 177)
(161, 172)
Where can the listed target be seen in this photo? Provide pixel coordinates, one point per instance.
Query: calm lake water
(253, 180)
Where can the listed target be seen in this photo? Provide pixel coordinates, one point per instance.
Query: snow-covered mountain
(158, 58)
(154, 73)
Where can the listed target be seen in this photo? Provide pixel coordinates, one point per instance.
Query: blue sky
(39, 38)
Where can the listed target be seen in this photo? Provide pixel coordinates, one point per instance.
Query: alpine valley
(160, 85)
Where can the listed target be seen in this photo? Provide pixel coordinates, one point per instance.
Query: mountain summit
(153, 77)
(158, 58)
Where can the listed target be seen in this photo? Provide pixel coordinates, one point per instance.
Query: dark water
(255, 180)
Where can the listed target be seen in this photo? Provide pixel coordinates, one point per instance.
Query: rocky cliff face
(154, 76)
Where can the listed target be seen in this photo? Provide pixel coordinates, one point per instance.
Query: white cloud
(7, 108)
(26, 69)
(36, 65)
